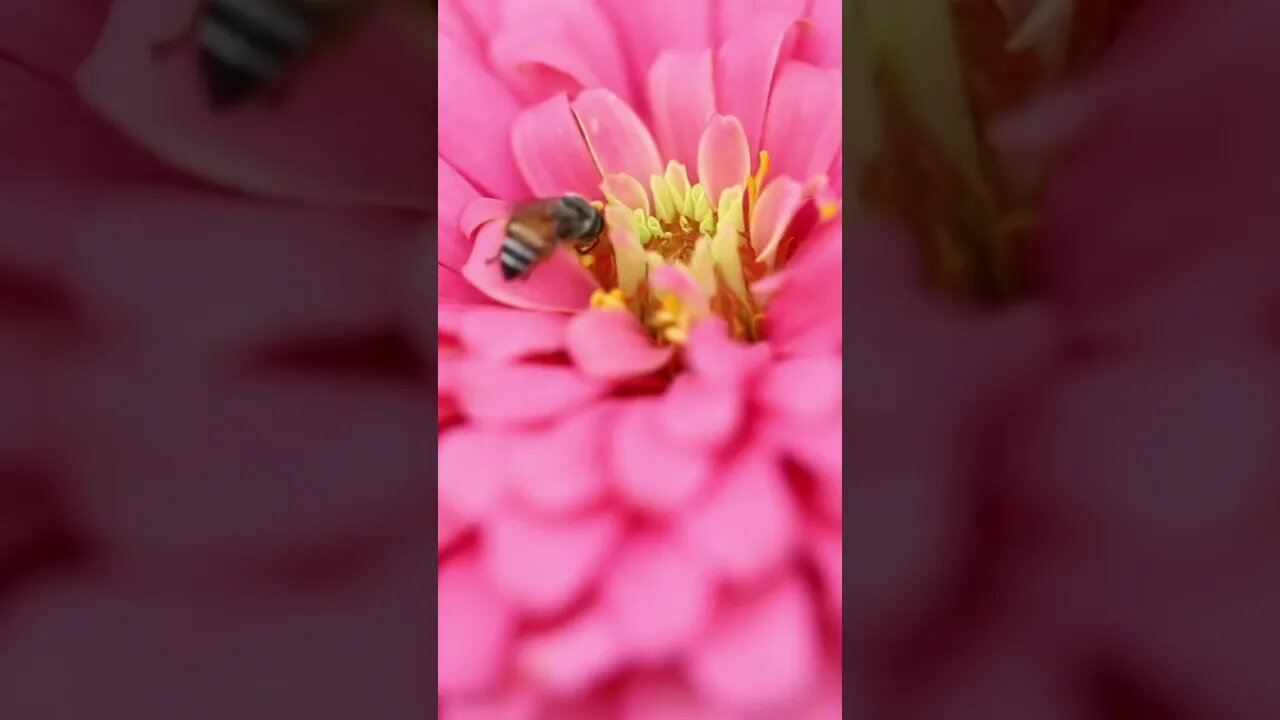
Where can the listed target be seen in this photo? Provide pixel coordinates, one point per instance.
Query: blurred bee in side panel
(253, 48)
(537, 227)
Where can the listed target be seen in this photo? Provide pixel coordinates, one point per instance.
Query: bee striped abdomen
(521, 250)
(245, 44)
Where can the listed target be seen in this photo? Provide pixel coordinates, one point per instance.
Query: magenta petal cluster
(640, 505)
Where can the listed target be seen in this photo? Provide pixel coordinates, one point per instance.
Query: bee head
(576, 218)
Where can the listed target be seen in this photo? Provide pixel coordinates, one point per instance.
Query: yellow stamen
(828, 210)
(755, 183)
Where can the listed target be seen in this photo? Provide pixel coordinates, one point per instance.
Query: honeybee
(537, 227)
(248, 47)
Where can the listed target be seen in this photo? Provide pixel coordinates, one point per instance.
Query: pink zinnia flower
(640, 462)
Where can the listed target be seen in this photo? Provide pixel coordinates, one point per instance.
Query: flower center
(676, 254)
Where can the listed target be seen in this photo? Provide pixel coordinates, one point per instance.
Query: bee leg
(167, 46)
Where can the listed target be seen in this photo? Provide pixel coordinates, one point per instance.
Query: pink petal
(724, 157)
(1180, 419)
(682, 98)
(717, 357)
(517, 702)
(328, 655)
(504, 334)
(612, 344)
(802, 127)
(752, 494)
(822, 43)
(657, 597)
(473, 630)
(480, 211)
(803, 387)
(339, 139)
(813, 280)
(518, 393)
(558, 41)
(815, 444)
(252, 272)
(52, 40)
(701, 413)
(475, 118)
(570, 658)
(619, 141)
(564, 469)
(455, 23)
(628, 191)
(47, 131)
(472, 471)
(735, 18)
(745, 68)
(206, 472)
(454, 193)
(449, 528)
(647, 29)
(558, 284)
(453, 288)
(550, 152)
(544, 565)
(827, 552)
(651, 472)
(760, 653)
(667, 697)
(773, 213)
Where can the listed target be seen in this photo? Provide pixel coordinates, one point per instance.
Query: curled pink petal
(752, 494)
(612, 344)
(658, 598)
(771, 216)
(761, 652)
(550, 151)
(823, 42)
(473, 631)
(558, 284)
(682, 98)
(564, 469)
(619, 141)
(338, 139)
(569, 658)
(745, 67)
(505, 334)
(724, 155)
(542, 566)
(453, 194)
(803, 135)
(651, 472)
(521, 393)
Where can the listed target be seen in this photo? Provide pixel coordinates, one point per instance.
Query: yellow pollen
(829, 210)
(671, 320)
(608, 300)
